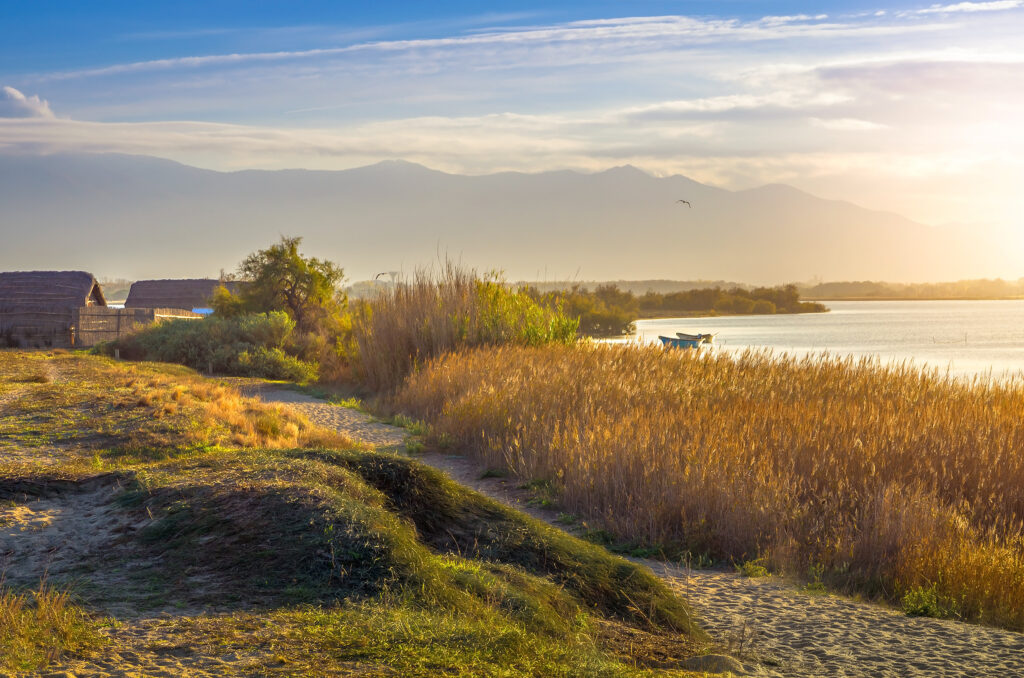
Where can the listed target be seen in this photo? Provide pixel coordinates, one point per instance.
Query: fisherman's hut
(65, 309)
(184, 294)
(40, 308)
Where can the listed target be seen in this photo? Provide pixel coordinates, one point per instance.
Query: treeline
(638, 287)
(609, 310)
(961, 289)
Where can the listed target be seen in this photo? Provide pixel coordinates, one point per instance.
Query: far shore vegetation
(609, 311)
(962, 289)
(893, 482)
(973, 289)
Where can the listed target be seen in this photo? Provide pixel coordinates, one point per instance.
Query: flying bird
(687, 203)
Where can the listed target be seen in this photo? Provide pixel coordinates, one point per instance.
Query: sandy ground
(49, 536)
(774, 626)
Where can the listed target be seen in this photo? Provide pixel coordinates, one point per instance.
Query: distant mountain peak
(627, 170)
(398, 164)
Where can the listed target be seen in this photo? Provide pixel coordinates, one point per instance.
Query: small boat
(702, 338)
(676, 342)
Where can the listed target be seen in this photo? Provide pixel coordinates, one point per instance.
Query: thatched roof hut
(37, 308)
(184, 294)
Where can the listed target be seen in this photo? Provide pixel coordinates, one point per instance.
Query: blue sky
(910, 107)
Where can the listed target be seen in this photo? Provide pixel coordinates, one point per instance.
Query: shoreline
(820, 299)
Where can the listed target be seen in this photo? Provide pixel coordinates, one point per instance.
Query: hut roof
(41, 290)
(186, 294)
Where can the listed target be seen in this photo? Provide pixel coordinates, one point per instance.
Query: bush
(273, 363)
(248, 346)
(928, 602)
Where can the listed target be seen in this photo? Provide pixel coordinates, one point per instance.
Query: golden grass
(38, 628)
(94, 403)
(406, 325)
(891, 479)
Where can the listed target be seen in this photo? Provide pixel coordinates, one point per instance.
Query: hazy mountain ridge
(142, 217)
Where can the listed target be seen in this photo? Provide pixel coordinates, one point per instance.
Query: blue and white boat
(684, 340)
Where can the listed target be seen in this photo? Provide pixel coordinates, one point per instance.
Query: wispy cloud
(14, 104)
(848, 124)
(993, 6)
(638, 34)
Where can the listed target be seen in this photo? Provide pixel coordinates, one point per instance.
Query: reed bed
(440, 311)
(888, 480)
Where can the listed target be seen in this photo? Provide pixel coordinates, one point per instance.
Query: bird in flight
(687, 203)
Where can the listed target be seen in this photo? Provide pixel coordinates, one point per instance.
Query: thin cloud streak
(627, 30)
(994, 6)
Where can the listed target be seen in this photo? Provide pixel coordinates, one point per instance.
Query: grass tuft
(40, 627)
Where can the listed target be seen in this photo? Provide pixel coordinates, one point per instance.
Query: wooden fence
(93, 324)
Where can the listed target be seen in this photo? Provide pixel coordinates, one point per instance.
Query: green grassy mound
(325, 526)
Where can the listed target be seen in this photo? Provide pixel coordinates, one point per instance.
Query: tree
(279, 278)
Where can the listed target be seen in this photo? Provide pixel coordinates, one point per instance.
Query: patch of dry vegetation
(409, 323)
(891, 481)
(39, 627)
(89, 403)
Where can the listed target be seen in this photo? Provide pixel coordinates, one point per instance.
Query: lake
(964, 337)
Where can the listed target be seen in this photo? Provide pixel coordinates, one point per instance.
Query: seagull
(687, 203)
(379, 275)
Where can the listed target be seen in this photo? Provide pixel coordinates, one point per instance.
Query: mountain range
(145, 217)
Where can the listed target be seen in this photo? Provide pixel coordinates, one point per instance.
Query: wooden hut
(183, 294)
(38, 308)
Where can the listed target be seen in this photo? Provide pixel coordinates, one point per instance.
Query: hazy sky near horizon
(909, 107)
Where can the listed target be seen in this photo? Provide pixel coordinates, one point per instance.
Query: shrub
(928, 602)
(249, 346)
(752, 568)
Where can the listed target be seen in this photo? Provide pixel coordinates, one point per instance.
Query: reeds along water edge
(884, 479)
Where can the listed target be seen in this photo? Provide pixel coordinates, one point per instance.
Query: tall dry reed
(406, 325)
(892, 479)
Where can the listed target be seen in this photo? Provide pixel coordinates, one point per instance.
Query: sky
(910, 107)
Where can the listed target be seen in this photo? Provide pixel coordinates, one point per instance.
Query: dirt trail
(785, 630)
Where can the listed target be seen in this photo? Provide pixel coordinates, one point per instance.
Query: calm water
(964, 337)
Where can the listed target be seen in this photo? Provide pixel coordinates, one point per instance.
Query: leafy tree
(279, 278)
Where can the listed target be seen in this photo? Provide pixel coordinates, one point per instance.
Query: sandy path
(787, 631)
